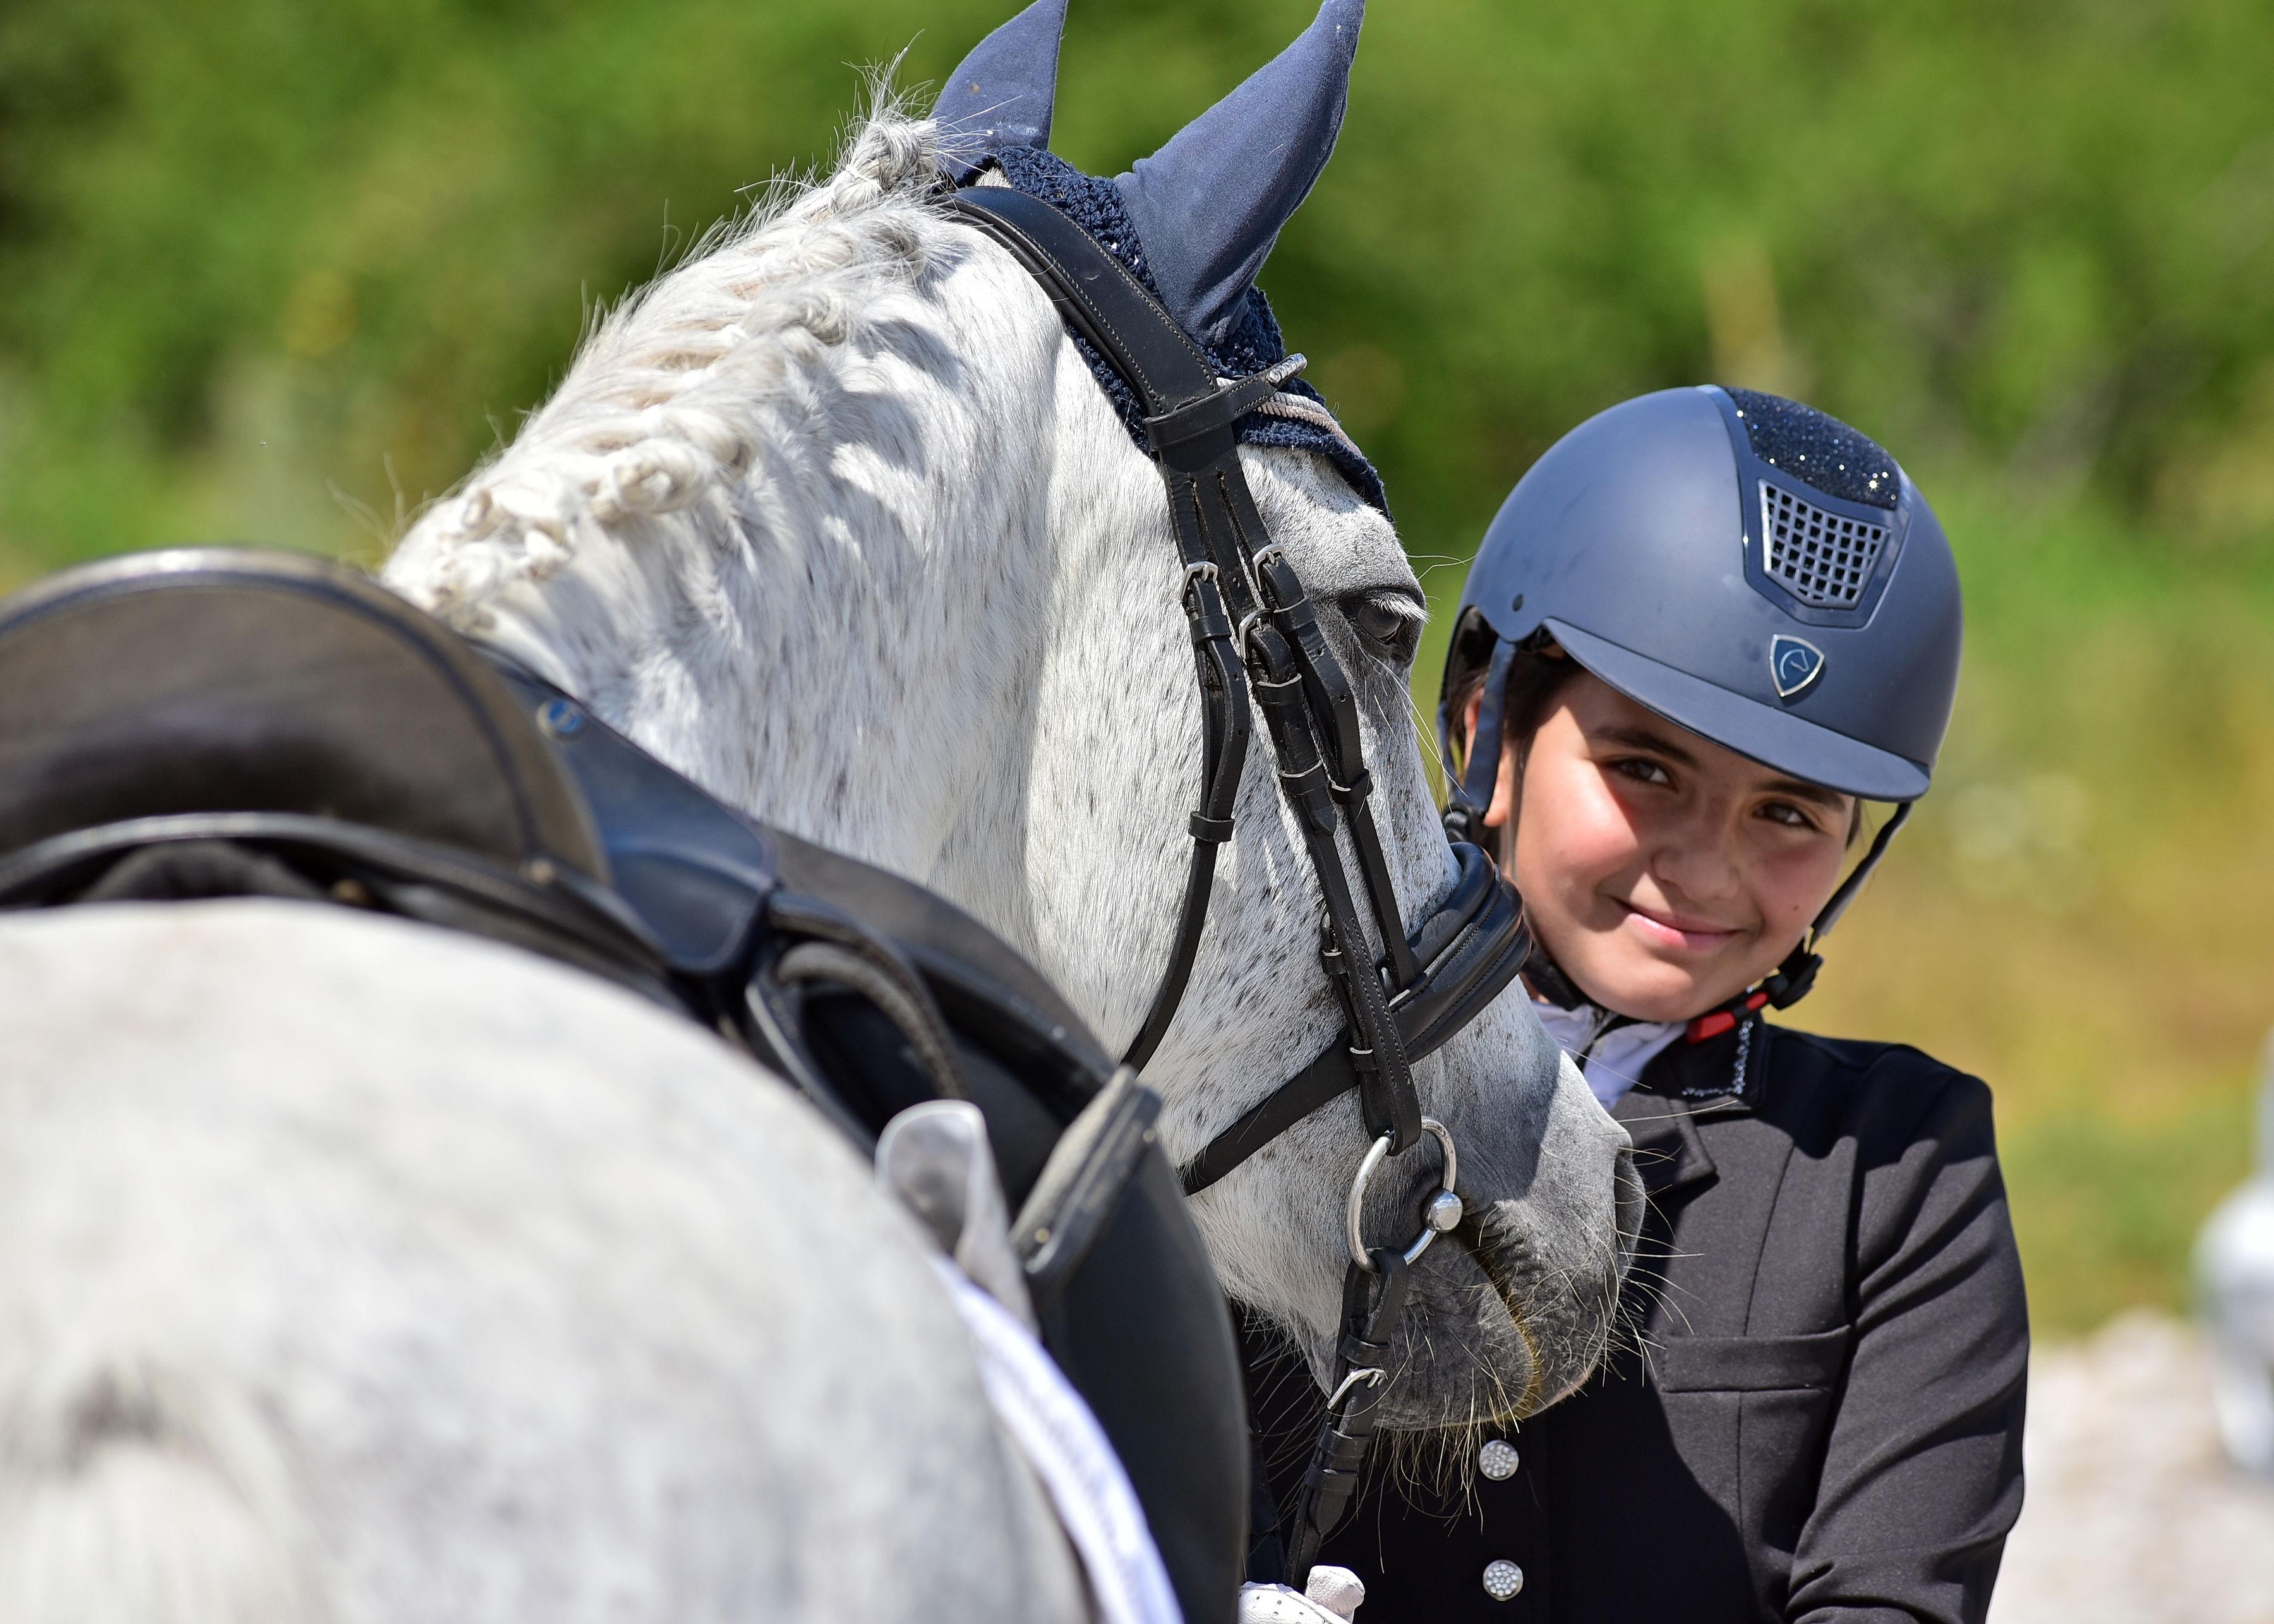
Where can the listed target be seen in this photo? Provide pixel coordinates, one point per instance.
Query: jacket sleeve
(1922, 1474)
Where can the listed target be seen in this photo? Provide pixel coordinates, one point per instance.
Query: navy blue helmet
(1744, 566)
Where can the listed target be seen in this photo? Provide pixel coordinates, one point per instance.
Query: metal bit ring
(1442, 1212)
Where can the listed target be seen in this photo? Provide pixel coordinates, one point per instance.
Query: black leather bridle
(1256, 640)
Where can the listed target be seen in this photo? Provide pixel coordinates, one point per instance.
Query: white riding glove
(1331, 1598)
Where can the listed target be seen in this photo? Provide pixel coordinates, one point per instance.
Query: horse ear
(1001, 94)
(1210, 204)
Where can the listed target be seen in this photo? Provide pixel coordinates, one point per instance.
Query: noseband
(1257, 641)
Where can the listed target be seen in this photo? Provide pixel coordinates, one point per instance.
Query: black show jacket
(1826, 1425)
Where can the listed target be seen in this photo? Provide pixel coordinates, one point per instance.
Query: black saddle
(216, 723)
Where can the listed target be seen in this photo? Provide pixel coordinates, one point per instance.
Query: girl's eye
(1791, 816)
(1642, 769)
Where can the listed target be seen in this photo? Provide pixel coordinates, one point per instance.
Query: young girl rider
(1705, 629)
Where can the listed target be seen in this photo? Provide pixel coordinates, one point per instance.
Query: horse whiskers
(1437, 1466)
(1491, 1259)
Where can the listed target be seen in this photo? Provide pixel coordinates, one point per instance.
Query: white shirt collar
(1610, 1061)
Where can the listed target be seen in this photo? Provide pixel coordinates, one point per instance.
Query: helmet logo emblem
(1795, 664)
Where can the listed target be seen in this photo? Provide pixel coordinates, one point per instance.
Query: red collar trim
(1715, 1022)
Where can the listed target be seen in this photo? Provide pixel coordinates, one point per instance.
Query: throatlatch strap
(1225, 731)
(1099, 299)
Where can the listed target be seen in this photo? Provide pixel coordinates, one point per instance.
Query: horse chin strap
(1257, 645)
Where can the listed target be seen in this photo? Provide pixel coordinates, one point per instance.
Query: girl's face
(1665, 874)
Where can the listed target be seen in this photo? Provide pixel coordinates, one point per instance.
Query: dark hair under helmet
(1744, 566)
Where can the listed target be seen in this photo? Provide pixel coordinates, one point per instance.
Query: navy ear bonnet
(1217, 195)
(1748, 568)
(1253, 344)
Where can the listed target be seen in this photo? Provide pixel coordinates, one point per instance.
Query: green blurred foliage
(284, 271)
(2033, 239)
(2083, 912)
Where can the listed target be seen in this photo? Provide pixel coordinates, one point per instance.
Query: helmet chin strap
(1545, 980)
(1790, 981)
(1469, 796)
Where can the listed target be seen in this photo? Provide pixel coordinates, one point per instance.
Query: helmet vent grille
(1821, 558)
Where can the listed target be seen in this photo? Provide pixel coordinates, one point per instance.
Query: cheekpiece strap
(1232, 571)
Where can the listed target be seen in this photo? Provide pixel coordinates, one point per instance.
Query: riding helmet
(1745, 566)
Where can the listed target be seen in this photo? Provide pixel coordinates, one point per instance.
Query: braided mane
(677, 393)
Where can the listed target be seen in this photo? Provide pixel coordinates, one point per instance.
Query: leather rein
(1256, 641)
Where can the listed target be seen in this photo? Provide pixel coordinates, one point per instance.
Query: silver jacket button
(1497, 1460)
(1502, 1579)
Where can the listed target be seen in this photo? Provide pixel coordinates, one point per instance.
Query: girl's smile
(1678, 934)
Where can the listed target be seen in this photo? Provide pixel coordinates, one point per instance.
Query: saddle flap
(234, 681)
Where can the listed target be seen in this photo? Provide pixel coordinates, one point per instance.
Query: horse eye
(1387, 623)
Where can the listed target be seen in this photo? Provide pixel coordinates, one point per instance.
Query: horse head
(842, 520)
